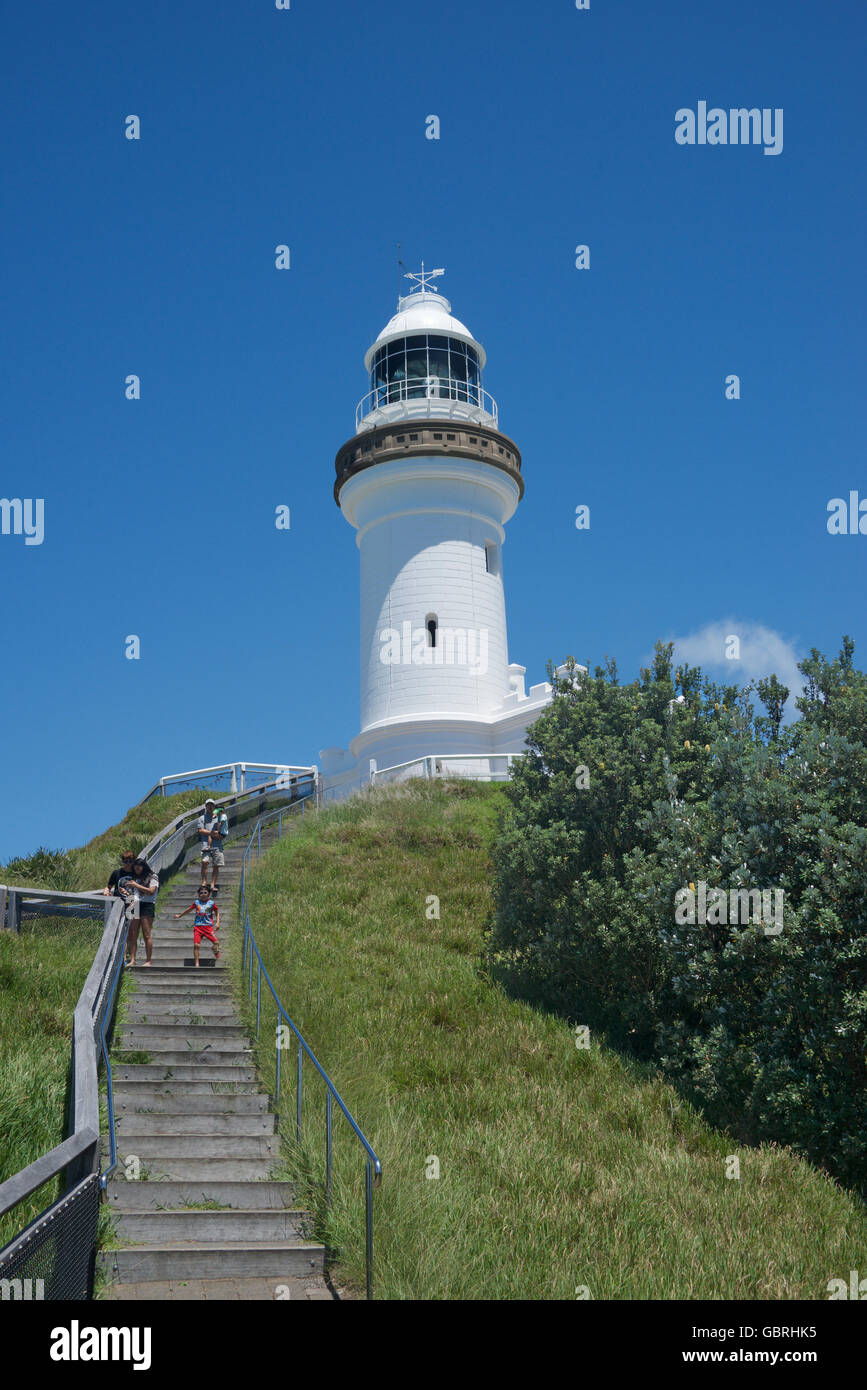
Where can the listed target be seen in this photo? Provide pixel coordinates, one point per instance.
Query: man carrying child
(213, 827)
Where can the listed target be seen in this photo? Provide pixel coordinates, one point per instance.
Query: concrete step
(159, 1196)
(141, 1263)
(150, 1148)
(179, 987)
(167, 934)
(173, 1035)
(158, 974)
(178, 968)
(195, 1038)
(212, 1124)
(182, 926)
(185, 958)
(180, 999)
(147, 1100)
(170, 952)
(244, 1170)
(167, 928)
(185, 1087)
(166, 920)
(207, 984)
(307, 1289)
(227, 885)
(203, 1073)
(165, 937)
(209, 1227)
(211, 1055)
(167, 1013)
(179, 983)
(170, 947)
(225, 898)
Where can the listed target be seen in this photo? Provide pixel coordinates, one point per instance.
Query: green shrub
(766, 1031)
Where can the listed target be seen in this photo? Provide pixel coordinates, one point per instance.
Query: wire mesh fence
(53, 1257)
(69, 926)
(43, 968)
(62, 952)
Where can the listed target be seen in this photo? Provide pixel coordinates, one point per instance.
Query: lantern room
(425, 363)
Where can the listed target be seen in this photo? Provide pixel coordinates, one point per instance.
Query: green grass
(561, 1169)
(41, 976)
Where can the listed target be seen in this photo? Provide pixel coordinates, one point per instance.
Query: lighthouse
(429, 482)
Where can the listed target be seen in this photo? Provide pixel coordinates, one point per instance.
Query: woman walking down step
(144, 909)
(127, 859)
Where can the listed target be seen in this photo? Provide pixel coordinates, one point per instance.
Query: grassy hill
(88, 866)
(41, 975)
(561, 1168)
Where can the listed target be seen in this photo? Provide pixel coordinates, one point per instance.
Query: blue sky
(307, 127)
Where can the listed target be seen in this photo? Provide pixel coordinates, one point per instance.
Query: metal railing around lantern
(425, 397)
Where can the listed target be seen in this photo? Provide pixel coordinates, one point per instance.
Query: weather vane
(422, 280)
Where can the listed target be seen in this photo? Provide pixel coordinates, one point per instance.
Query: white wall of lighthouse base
(484, 744)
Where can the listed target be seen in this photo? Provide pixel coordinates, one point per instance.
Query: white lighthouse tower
(429, 482)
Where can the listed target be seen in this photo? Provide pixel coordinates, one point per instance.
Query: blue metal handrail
(109, 1091)
(373, 1167)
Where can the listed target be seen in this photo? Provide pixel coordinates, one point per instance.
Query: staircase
(204, 1219)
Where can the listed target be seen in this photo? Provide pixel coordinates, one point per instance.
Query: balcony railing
(420, 397)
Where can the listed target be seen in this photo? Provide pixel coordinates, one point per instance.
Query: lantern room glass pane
(438, 368)
(416, 362)
(473, 377)
(396, 362)
(396, 371)
(458, 365)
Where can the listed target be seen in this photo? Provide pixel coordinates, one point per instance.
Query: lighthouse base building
(429, 482)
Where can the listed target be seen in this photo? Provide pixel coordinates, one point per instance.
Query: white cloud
(763, 652)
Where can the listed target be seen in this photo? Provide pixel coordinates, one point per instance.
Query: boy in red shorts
(206, 922)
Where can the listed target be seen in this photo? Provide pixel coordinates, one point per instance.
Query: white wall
(423, 524)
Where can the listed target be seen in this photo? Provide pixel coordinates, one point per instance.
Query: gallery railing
(423, 396)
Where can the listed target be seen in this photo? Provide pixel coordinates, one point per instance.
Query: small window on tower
(430, 623)
(491, 557)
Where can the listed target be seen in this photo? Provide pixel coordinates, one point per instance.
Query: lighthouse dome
(424, 312)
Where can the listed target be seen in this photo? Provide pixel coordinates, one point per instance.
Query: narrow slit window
(491, 558)
(431, 625)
